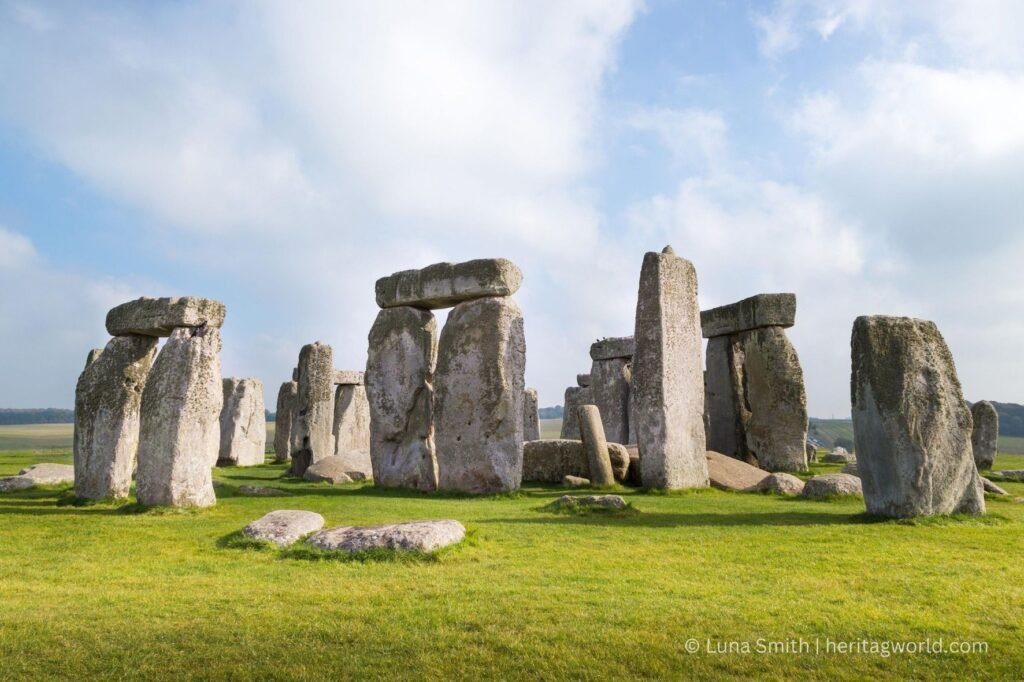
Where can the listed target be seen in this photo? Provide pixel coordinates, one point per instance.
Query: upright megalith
(243, 423)
(352, 423)
(754, 389)
(610, 376)
(179, 435)
(108, 401)
(283, 420)
(574, 397)
(531, 415)
(667, 376)
(444, 285)
(161, 316)
(595, 444)
(400, 389)
(985, 436)
(478, 411)
(912, 429)
(312, 436)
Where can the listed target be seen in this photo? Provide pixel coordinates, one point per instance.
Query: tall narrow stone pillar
(312, 436)
(352, 427)
(243, 424)
(283, 420)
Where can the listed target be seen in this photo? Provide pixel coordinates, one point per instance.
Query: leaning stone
(763, 310)
(991, 487)
(312, 436)
(912, 429)
(575, 481)
(444, 285)
(612, 502)
(612, 348)
(179, 434)
(812, 453)
(595, 445)
(531, 415)
(478, 408)
(610, 384)
(243, 424)
(728, 473)
(327, 470)
(108, 403)
(549, 461)
(583, 380)
(781, 484)
(346, 377)
(668, 377)
(827, 485)
(400, 389)
(985, 436)
(161, 316)
(260, 491)
(284, 419)
(352, 427)
(284, 526)
(418, 536)
(574, 397)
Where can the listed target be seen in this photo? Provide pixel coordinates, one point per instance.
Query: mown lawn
(94, 592)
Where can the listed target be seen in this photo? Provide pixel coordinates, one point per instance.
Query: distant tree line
(49, 415)
(550, 412)
(1011, 419)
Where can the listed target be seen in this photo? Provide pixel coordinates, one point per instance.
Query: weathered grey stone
(912, 429)
(763, 310)
(179, 433)
(260, 491)
(47, 473)
(613, 347)
(549, 461)
(728, 473)
(574, 397)
(531, 415)
(444, 285)
(723, 384)
(851, 469)
(161, 316)
(610, 383)
(478, 408)
(284, 526)
(575, 481)
(108, 401)
(668, 380)
(812, 453)
(420, 536)
(312, 436)
(329, 469)
(827, 485)
(596, 446)
(838, 456)
(93, 356)
(1009, 474)
(985, 435)
(12, 484)
(295, 374)
(609, 502)
(243, 423)
(348, 377)
(583, 380)
(992, 488)
(284, 419)
(352, 428)
(781, 484)
(399, 386)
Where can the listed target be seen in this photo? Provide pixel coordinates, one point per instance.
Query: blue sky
(866, 155)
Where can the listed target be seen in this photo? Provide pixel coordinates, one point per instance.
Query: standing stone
(596, 445)
(531, 415)
(985, 436)
(722, 399)
(812, 453)
(400, 388)
(574, 397)
(312, 435)
(912, 429)
(610, 382)
(107, 408)
(179, 434)
(243, 424)
(480, 379)
(667, 374)
(352, 428)
(283, 421)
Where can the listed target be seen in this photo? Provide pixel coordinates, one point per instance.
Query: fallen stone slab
(609, 502)
(549, 461)
(991, 487)
(260, 491)
(349, 377)
(612, 347)
(161, 316)
(763, 310)
(827, 485)
(329, 470)
(421, 536)
(728, 473)
(444, 285)
(47, 473)
(575, 482)
(781, 483)
(1009, 474)
(284, 526)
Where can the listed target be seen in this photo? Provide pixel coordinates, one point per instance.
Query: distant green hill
(47, 415)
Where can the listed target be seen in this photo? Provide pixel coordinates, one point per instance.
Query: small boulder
(422, 536)
(991, 487)
(589, 502)
(330, 469)
(284, 526)
(828, 485)
(260, 491)
(575, 482)
(15, 483)
(838, 456)
(782, 484)
(729, 473)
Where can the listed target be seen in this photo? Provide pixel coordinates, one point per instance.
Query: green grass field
(95, 592)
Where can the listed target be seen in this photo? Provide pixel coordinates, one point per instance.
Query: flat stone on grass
(1009, 474)
(260, 491)
(829, 485)
(284, 526)
(329, 469)
(588, 503)
(575, 481)
(417, 536)
(729, 473)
